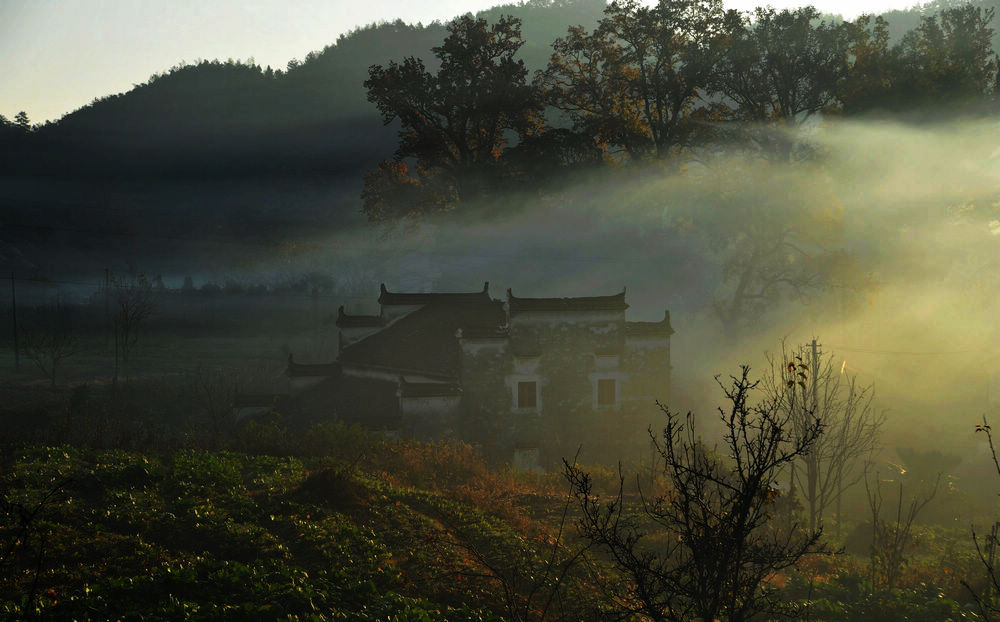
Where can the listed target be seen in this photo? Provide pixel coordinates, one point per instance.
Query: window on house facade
(606, 392)
(527, 394)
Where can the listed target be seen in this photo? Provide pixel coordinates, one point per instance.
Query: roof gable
(425, 340)
(615, 302)
(650, 329)
(421, 298)
(357, 321)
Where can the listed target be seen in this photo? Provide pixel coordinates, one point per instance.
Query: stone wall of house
(567, 355)
(572, 345)
(646, 363)
(560, 373)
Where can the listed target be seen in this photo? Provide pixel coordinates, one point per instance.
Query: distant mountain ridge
(231, 118)
(234, 118)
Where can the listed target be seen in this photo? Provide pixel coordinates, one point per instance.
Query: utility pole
(13, 317)
(815, 375)
(811, 460)
(107, 312)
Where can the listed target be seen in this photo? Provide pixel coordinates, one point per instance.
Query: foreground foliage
(406, 531)
(209, 535)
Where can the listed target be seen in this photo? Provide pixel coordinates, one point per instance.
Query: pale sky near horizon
(58, 55)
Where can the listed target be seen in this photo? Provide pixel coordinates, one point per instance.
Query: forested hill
(233, 151)
(236, 118)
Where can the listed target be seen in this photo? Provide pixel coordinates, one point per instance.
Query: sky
(59, 55)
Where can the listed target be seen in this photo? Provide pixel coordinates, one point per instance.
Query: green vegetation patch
(203, 535)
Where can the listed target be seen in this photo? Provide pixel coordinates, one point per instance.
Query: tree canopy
(636, 81)
(454, 123)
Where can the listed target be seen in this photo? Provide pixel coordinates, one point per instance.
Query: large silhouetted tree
(775, 239)
(455, 123)
(948, 58)
(942, 65)
(868, 82)
(780, 68)
(636, 81)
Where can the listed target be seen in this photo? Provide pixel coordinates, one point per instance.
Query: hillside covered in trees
(220, 118)
(234, 117)
(238, 152)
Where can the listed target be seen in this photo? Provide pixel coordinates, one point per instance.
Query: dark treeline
(669, 83)
(169, 173)
(236, 118)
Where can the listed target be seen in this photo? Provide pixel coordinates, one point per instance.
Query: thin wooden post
(13, 317)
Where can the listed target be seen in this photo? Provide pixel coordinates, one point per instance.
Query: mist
(297, 339)
(915, 207)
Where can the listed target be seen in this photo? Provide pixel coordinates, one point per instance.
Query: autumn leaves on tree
(651, 83)
(456, 123)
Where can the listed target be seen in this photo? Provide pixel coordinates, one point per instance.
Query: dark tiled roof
(434, 377)
(429, 389)
(589, 303)
(424, 341)
(311, 370)
(396, 298)
(357, 321)
(652, 329)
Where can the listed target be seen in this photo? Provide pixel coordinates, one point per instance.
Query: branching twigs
(20, 534)
(987, 547)
(809, 390)
(700, 550)
(891, 538)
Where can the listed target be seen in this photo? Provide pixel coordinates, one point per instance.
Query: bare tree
(23, 542)
(987, 549)
(133, 300)
(713, 545)
(811, 388)
(892, 537)
(52, 339)
(775, 241)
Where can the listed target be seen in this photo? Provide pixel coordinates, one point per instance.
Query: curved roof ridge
(387, 297)
(346, 320)
(613, 302)
(662, 327)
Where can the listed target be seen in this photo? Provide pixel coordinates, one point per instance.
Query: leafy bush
(849, 597)
(205, 535)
